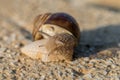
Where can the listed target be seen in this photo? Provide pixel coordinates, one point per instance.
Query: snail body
(34, 49)
(56, 48)
(55, 37)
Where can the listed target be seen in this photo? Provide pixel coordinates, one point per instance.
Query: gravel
(97, 57)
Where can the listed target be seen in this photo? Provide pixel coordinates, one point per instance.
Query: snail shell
(59, 20)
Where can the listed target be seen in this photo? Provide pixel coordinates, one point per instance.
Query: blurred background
(99, 20)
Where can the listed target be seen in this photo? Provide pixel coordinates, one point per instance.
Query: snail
(55, 37)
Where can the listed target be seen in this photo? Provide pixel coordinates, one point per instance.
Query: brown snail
(55, 37)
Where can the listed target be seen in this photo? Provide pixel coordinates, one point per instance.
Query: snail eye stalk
(44, 33)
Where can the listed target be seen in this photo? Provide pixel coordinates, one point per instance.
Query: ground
(97, 56)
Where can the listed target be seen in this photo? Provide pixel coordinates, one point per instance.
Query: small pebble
(8, 51)
(5, 38)
(87, 76)
(13, 37)
(2, 50)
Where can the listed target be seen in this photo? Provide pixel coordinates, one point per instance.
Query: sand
(97, 56)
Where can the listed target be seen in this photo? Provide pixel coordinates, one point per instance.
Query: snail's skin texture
(56, 48)
(61, 20)
(34, 49)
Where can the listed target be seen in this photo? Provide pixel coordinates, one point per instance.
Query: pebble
(8, 51)
(87, 76)
(86, 59)
(5, 38)
(2, 50)
(113, 66)
(104, 72)
(117, 78)
(17, 45)
(118, 52)
(13, 37)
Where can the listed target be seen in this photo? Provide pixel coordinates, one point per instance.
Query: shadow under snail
(55, 37)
